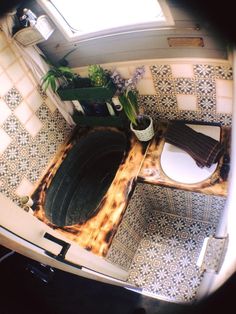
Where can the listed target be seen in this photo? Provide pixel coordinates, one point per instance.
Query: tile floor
(165, 261)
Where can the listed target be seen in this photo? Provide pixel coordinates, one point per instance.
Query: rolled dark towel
(202, 148)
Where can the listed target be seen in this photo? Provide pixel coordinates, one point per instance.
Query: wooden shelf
(88, 93)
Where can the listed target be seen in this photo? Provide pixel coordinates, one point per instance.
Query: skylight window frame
(73, 35)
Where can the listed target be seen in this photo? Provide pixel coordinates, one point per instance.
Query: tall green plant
(129, 103)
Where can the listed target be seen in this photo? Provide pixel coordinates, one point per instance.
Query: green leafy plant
(58, 76)
(98, 76)
(63, 77)
(129, 102)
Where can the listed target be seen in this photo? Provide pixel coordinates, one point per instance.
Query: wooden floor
(24, 293)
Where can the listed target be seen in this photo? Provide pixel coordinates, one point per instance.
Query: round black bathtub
(84, 177)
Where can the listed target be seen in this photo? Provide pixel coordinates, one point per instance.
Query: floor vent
(212, 254)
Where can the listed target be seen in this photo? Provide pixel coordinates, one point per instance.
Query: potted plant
(94, 93)
(57, 76)
(70, 86)
(96, 87)
(140, 124)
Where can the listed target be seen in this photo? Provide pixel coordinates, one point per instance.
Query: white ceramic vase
(146, 134)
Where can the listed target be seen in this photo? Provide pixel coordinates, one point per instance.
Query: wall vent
(189, 42)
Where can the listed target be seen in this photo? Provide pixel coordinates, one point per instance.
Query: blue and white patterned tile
(52, 148)
(23, 153)
(224, 72)
(24, 164)
(205, 87)
(207, 103)
(149, 104)
(43, 112)
(189, 115)
(204, 71)
(11, 125)
(202, 86)
(177, 277)
(13, 181)
(224, 119)
(13, 98)
(12, 152)
(149, 101)
(3, 168)
(168, 241)
(184, 86)
(120, 257)
(3, 185)
(209, 117)
(218, 203)
(23, 138)
(33, 174)
(16, 160)
(129, 233)
(42, 137)
(193, 205)
(164, 86)
(60, 137)
(43, 162)
(33, 149)
(160, 71)
(167, 103)
(172, 115)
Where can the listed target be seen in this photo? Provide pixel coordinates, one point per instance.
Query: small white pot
(146, 134)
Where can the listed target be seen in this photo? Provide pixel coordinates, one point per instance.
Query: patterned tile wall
(193, 205)
(160, 238)
(183, 89)
(31, 128)
(165, 263)
(129, 233)
(150, 200)
(193, 92)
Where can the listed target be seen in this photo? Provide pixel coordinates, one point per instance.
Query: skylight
(102, 17)
(93, 15)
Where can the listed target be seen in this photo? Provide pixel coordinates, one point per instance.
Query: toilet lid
(180, 166)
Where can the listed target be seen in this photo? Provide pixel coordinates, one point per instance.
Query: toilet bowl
(180, 166)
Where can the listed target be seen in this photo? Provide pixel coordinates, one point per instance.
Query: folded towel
(202, 148)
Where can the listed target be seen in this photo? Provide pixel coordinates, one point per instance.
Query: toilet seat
(180, 166)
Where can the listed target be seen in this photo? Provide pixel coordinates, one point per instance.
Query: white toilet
(180, 166)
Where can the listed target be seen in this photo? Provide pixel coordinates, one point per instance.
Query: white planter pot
(146, 134)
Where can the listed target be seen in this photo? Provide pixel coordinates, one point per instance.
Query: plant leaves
(63, 69)
(53, 84)
(133, 99)
(128, 108)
